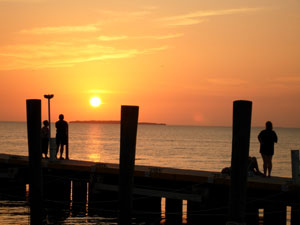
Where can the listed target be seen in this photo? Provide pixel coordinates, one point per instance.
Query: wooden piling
(239, 161)
(194, 213)
(129, 121)
(33, 107)
(295, 166)
(295, 210)
(147, 209)
(275, 214)
(173, 211)
(103, 196)
(79, 196)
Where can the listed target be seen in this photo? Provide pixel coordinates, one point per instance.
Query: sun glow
(95, 101)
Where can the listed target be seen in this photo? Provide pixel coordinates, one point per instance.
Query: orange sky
(182, 62)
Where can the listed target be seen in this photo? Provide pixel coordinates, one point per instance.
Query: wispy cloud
(112, 38)
(199, 16)
(161, 37)
(62, 54)
(127, 14)
(61, 29)
(153, 37)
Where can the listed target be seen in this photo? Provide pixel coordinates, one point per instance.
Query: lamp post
(49, 97)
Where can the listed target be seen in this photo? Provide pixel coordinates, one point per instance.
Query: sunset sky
(181, 62)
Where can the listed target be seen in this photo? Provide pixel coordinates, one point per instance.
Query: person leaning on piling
(267, 138)
(61, 135)
(45, 138)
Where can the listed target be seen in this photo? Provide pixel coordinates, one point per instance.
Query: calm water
(186, 147)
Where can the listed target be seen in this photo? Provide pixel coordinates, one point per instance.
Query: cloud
(125, 14)
(61, 29)
(199, 16)
(161, 37)
(112, 38)
(154, 37)
(62, 54)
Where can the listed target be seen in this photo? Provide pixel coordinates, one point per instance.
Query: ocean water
(184, 147)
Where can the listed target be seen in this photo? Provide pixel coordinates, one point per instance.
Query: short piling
(239, 161)
(173, 211)
(33, 107)
(129, 121)
(275, 214)
(79, 195)
(295, 211)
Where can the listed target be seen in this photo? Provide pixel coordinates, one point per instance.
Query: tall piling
(33, 108)
(295, 210)
(239, 162)
(129, 122)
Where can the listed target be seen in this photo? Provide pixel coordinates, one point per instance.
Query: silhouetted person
(267, 138)
(61, 136)
(45, 138)
(252, 168)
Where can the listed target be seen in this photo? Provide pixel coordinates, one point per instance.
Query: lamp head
(48, 96)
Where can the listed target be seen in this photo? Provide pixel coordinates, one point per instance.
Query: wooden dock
(206, 192)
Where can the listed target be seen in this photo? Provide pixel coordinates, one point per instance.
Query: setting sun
(95, 101)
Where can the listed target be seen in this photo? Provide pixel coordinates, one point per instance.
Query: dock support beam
(239, 161)
(129, 122)
(33, 108)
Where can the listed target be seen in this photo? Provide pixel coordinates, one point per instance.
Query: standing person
(61, 135)
(45, 138)
(267, 138)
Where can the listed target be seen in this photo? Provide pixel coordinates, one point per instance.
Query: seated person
(252, 168)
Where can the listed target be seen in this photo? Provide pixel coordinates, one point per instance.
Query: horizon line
(154, 123)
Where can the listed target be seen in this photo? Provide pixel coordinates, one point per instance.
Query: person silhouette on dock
(61, 136)
(267, 138)
(45, 138)
(253, 169)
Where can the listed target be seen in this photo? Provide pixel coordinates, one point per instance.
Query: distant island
(113, 122)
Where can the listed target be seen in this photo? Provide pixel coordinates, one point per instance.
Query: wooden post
(239, 161)
(173, 211)
(79, 196)
(295, 166)
(129, 121)
(295, 211)
(147, 208)
(275, 214)
(33, 107)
